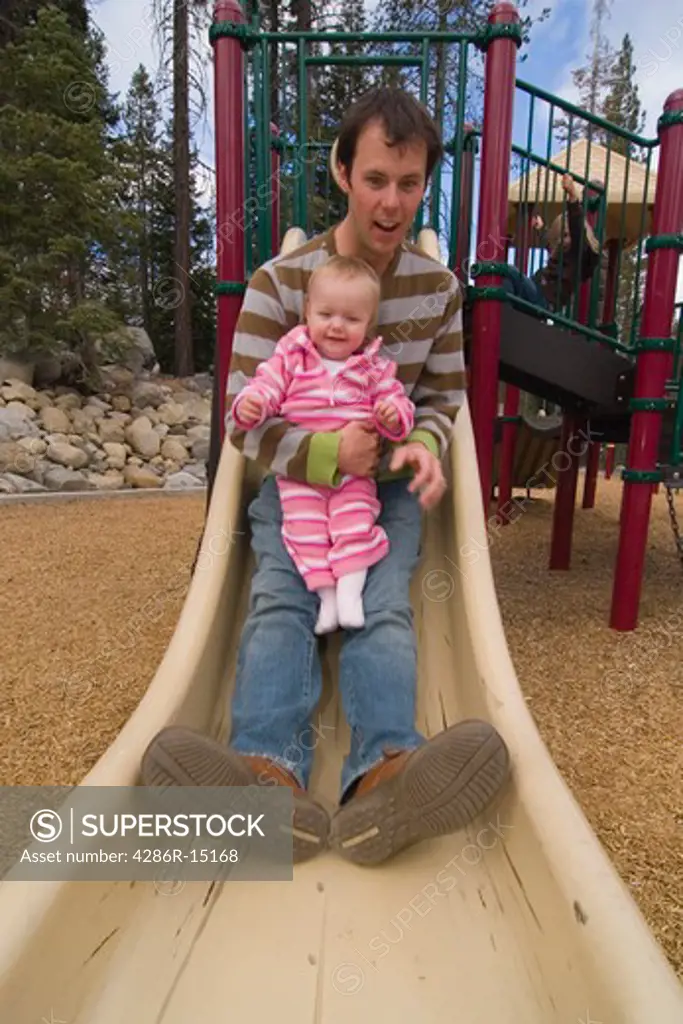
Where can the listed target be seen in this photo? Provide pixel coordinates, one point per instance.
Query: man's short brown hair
(403, 119)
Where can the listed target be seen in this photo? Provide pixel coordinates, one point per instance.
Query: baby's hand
(387, 415)
(537, 222)
(251, 409)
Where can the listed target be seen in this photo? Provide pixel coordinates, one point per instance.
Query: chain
(674, 523)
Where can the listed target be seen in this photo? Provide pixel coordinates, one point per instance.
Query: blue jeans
(525, 287)
(279, 679)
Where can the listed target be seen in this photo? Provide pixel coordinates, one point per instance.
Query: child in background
(323, 375)
(563, 239)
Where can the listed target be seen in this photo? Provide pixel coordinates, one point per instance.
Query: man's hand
(359, 449)
(429, 479)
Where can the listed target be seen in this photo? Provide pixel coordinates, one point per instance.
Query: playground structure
(613, 385)
(536, 927)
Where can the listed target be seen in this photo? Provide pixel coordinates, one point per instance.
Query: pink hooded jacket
(295, 384)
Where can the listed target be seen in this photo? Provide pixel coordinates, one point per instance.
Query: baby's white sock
(327, 616)
(350, 599)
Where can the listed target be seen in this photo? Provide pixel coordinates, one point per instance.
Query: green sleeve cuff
(322, 465)
(425, 438)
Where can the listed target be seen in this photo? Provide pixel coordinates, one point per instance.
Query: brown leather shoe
(415, 795)
(182, 757)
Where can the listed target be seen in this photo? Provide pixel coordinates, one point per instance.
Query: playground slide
(520, 919)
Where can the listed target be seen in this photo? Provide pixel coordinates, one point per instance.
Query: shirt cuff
(425, 438)
(322, 464)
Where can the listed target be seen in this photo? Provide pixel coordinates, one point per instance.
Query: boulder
(116, 454)
(14, 390)
(67, 455)
(200, 450)
(172, 414)
(171, 448)
(182, 481)
(15, 459)
(145, 393)
(22, 409)
(60, 478)
(111, 430)
(15, 425)
(201, 433)
(142, 438)
(67, 399)
(109, 481)
(138, 476)
(33, 445)
(22, 484)
(55, 420)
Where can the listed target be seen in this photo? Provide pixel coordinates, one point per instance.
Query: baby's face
(338, 315)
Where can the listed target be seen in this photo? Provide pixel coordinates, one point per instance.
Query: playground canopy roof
(625, 193)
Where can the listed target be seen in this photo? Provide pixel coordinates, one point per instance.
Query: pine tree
(621, 106)
(445, 71)
(17, 15)
(178, 22)
(142, 162)
(166, 287)
(57, 190)
(592, 80)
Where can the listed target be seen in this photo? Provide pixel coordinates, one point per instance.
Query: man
(396, 787)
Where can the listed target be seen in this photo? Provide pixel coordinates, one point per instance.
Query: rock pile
(136, 433)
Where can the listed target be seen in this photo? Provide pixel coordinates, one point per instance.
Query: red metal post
(592, 467)
(565, 466)
(229, 130)
(499, 88)
(609, 461)
(565, 498)
(275, 189)
(652, 371)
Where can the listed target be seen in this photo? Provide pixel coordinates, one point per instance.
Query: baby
(323, 375)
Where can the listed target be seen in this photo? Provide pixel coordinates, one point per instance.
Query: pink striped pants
(331, 531)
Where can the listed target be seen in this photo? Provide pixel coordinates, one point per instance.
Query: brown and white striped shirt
(420, 320)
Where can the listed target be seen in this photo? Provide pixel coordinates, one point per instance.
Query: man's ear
(338, 170)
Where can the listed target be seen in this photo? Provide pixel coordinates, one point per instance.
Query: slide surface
(520, 919)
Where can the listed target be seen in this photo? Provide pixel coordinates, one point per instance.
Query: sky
(558, 45)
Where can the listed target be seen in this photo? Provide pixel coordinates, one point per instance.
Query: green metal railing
(285, 71)
(676, 389)
(618, 212)
(290, 79)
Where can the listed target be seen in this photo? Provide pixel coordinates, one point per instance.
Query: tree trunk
(181, 180)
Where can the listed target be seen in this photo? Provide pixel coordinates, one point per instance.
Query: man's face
(385, 189)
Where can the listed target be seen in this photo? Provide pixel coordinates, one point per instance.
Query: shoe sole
(181, 757)
(444, 786)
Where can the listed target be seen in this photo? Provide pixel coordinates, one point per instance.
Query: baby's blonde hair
(350, 268)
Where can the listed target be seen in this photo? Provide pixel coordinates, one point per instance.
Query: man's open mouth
(386, 226)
